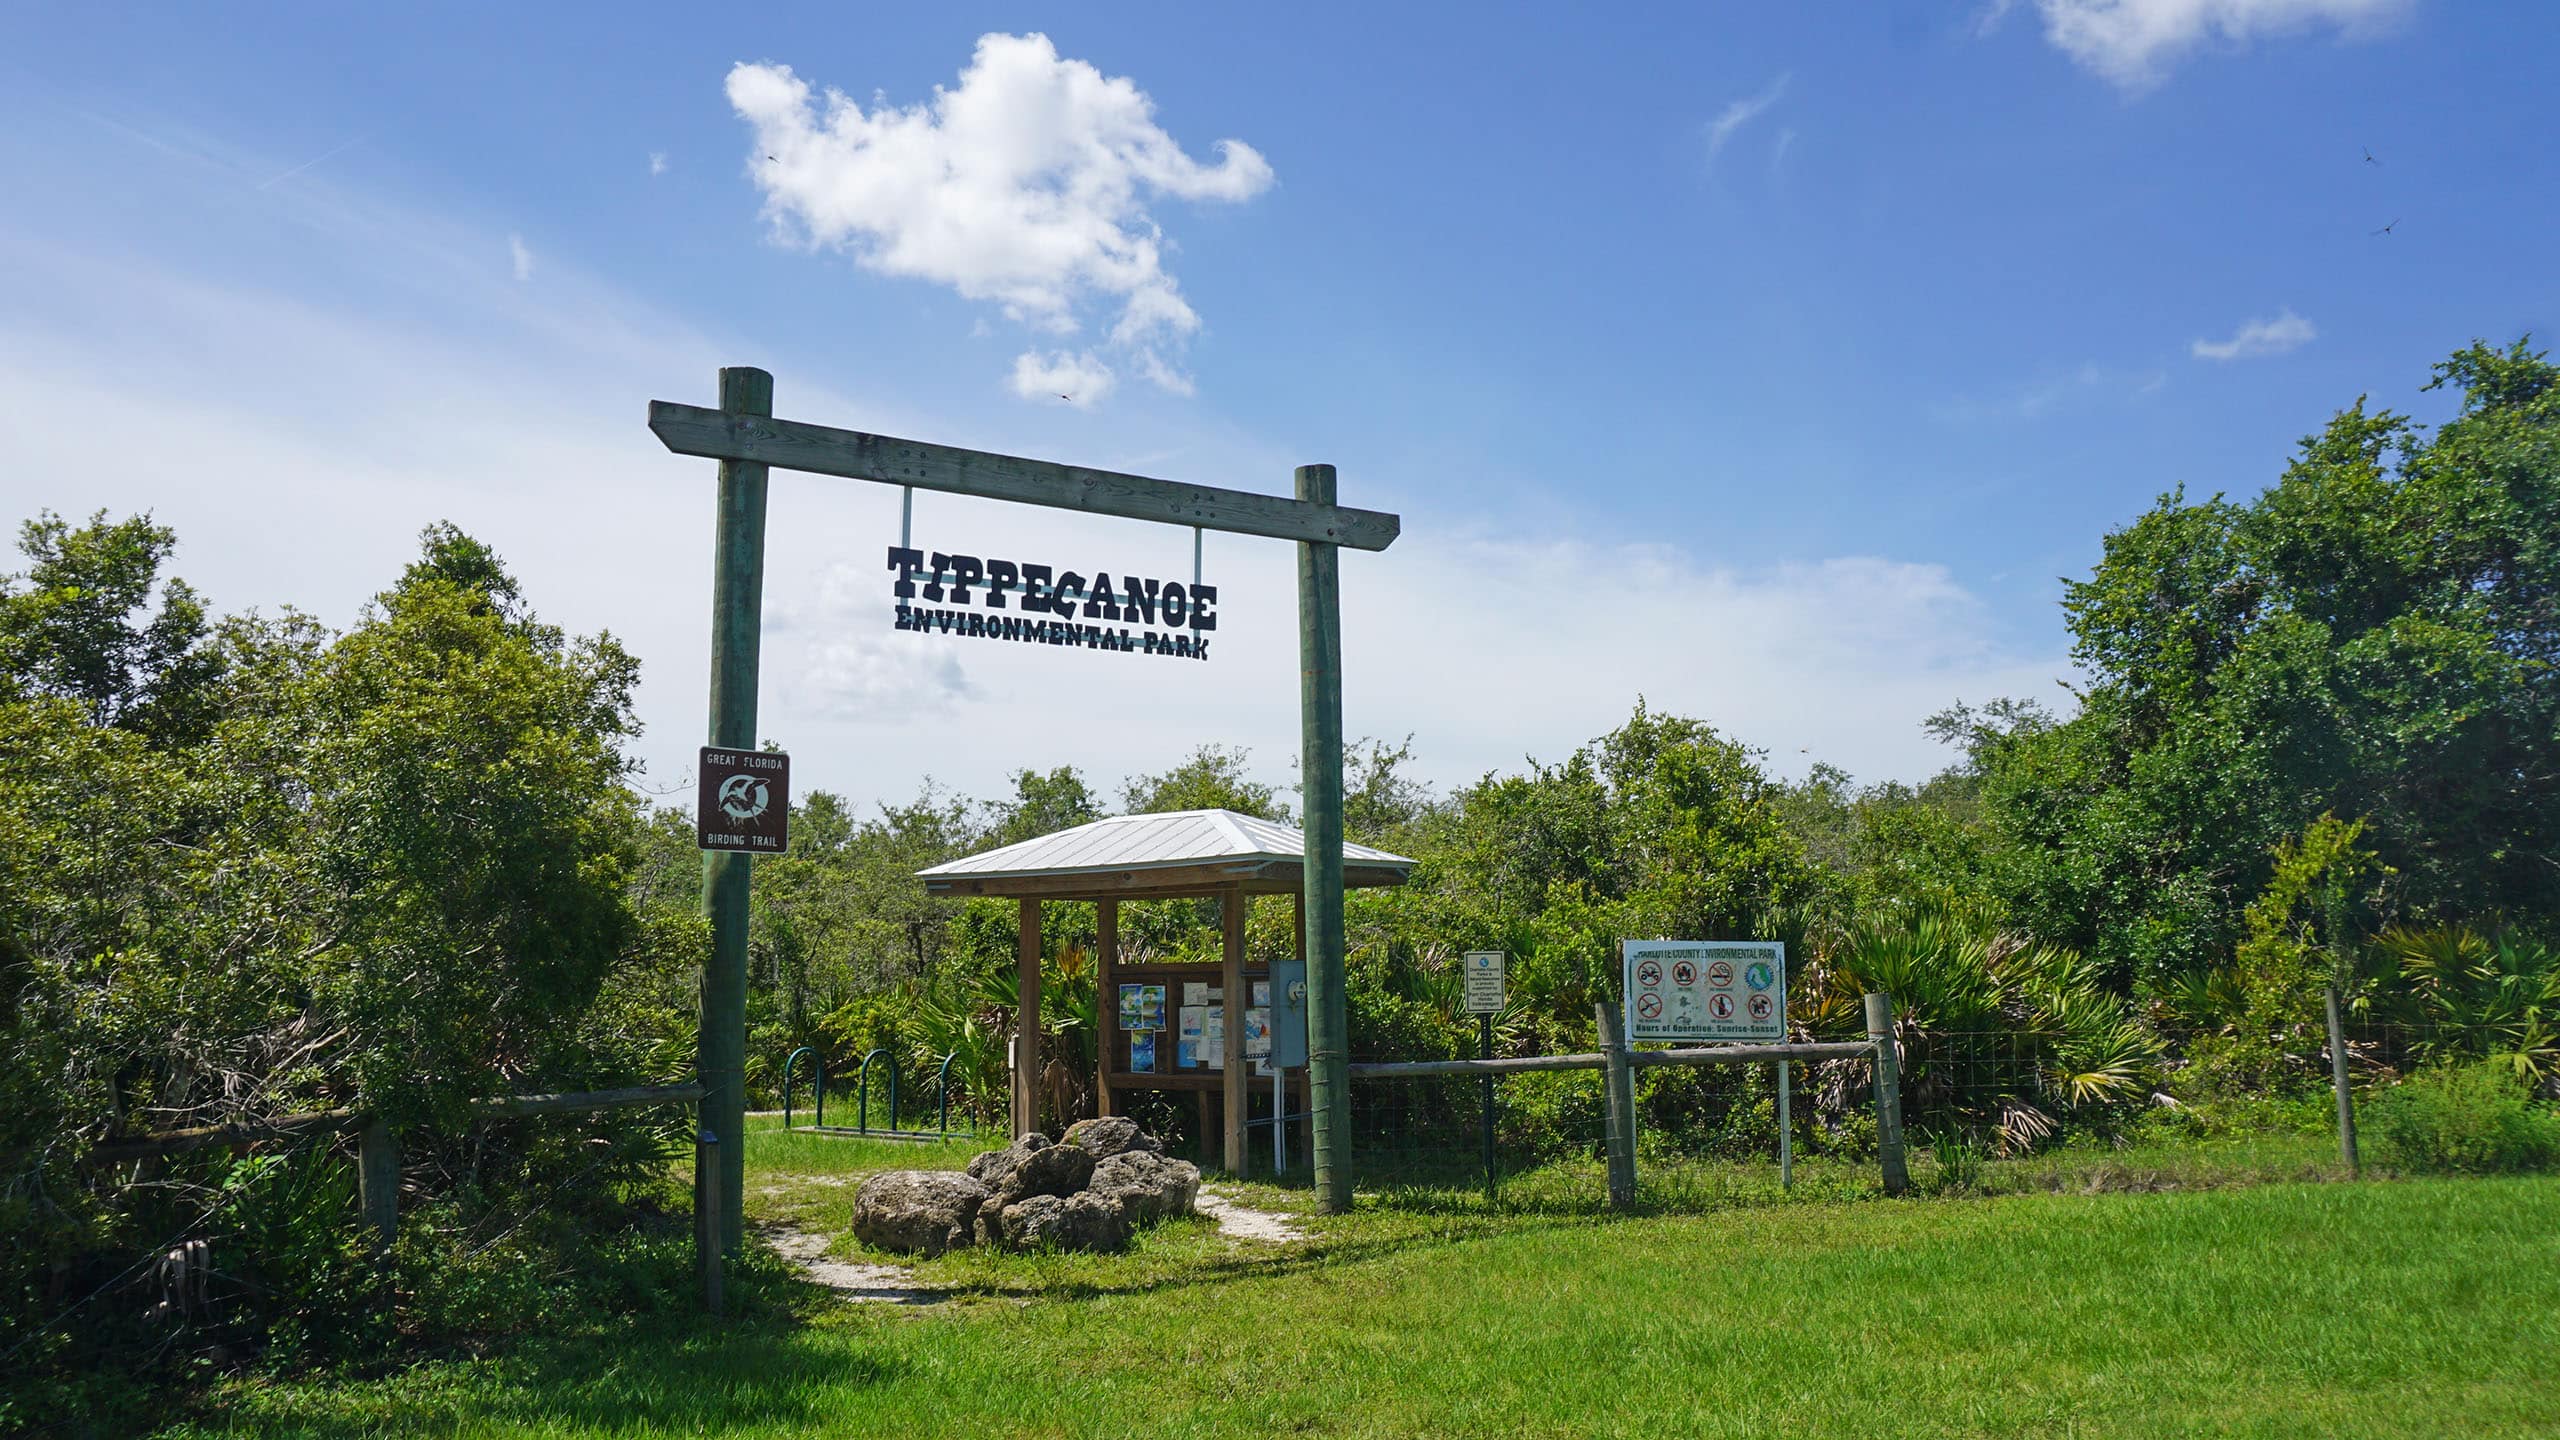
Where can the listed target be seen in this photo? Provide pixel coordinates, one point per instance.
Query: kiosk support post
(737, 627)
(1320, 762)
(1231, 986)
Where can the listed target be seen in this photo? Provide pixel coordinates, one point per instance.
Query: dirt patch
(1247, 1224)
(854, 1280)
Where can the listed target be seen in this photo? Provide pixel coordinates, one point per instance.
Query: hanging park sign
(742, 801)
(989, 599)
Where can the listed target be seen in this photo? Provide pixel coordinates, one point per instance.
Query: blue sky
(1772, 362)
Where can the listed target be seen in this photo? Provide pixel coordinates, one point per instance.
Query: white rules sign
(1706, 990)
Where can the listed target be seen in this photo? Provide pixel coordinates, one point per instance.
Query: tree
(2377, 636)
(1379, 795)
(1212, 778)
(391, 869)
(469, 815)
(78, 625)
(1041, 805)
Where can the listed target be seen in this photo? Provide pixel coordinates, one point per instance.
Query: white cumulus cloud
(1026, 185)
(1742, 112)
(2272, 336)
(523, 258)
(2131, 42)
(1072, 376)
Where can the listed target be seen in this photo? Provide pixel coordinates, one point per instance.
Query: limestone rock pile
(1089, 1191)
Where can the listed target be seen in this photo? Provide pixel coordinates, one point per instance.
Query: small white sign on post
(1484, 971)
(1706, 990)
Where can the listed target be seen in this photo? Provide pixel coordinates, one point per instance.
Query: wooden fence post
(2338, 1082)
(378, 1181)
(1619, 1090)
(1897, 1176)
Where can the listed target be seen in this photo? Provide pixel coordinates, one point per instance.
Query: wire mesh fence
(1983, 1109)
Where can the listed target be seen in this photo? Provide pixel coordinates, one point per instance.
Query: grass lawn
(2376, 1308)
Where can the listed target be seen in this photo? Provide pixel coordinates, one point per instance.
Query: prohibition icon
(1720, 1006)
(1649, 973)
(1761, 1006)
(1648, 1007)
(1684, 974)
(1720, 974)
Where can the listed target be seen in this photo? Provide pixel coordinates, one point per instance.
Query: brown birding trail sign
(743, 801)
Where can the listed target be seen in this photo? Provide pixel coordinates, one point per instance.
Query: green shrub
(2471, 1119)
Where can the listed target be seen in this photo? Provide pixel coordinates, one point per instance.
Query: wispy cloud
(1721, 130)
(2272, 336)
(657, 162)
(523, 258)
(2079, 387)
(330, 154)
(1025, 185)
(2132, 43)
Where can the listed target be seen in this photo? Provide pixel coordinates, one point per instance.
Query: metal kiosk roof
(1185, 852)
(1143, 857)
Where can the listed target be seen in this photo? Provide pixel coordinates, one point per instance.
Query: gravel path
(1247, 1224)
(881, 1284)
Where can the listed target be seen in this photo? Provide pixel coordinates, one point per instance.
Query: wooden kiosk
(1185, 854)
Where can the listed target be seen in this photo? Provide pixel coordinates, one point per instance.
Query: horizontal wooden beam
(631, 1097)
(222, 1137)
(1749, 1054)
(1636, 1059)
(1427, 1069)
(1173, 1079)
(855, 455)
(250, 1132)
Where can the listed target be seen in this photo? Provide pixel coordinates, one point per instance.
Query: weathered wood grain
(856, 455)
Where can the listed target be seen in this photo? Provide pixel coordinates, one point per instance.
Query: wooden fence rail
(236, 1134)
(378, 1151)
(1594, 1060)
(1619, 1063)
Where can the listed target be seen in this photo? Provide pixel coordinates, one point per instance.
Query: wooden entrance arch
(749, 442)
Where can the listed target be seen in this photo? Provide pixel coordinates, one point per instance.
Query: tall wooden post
(1026, 1024)
(706, 1215)
(2338, 1082)
(1306, 1073)
(378, 1183)
(1619, 1093)
(1106, 999)
(737, 625)
(1231, 1055)
(1320, 764)
(1897, 1174)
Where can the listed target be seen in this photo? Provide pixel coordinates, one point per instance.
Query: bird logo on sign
(743, 797)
